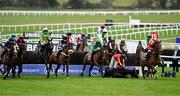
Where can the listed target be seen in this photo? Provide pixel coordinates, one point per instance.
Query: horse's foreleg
(7, 73)
(56, 70)
(19, 70)
(67, 71)
(13, 71)
(91, 66)
(142, 68)
(63, 69)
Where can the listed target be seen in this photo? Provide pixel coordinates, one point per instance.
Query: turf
(14, 20)
(37, 85)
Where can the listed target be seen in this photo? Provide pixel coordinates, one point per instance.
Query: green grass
(37, 85)
(13, 20)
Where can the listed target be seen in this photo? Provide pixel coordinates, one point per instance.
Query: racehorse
(9, 61)
(153, 60)
(120, 73)
(99, 59)
(83, 44)
(63, 59)
(21, 49)
(46, 51)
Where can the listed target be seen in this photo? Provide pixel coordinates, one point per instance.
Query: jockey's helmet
(149, 37)
(21, 37)
(11, 39)
(13, 35)
(69, 34)
(45, 29)
(122, 40)
(64, 37)
(102, 25)
(123, 55)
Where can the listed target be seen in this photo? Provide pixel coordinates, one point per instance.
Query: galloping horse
(9, 61)
(99, 59)
(153, 60)
(46, 52)
(64, 59)
(20, 56)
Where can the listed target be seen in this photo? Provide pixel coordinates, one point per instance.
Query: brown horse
(153, 61)
(21, 50)
(45, 52)
(9, 61)
(99, 59)
(63, 59)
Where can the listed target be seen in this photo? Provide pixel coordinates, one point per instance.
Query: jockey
(95, 47)
(20, 41)
(68, 37)
(62, 44)
(117, 59)
(7, 46)
(122, 46)
(149, 47)
(45, 36)
(110, 46)
(102, 34)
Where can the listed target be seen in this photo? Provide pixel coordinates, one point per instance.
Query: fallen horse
(120, 73)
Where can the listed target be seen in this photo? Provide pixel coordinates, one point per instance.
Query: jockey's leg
(77, 48)
(148, 55)
(115, 64)
(111, 65)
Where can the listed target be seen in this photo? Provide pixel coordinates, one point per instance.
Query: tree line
(85, 4)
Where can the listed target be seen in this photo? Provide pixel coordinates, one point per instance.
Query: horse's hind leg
(7, 73)
(162, 65)
(56, 70)
(84, 67)
(100, 67)
(48, 71)
(143, 72)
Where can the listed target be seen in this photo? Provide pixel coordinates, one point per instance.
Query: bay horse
(64, 59)
(21, 50)
(9, 61)
(99, 59)
(46, 52)
(153, 60)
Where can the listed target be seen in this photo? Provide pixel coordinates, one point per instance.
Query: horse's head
(69, 49)
(49, 46)
(157, 46)
(21, 49)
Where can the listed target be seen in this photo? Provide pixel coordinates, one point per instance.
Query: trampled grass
(37, 85)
